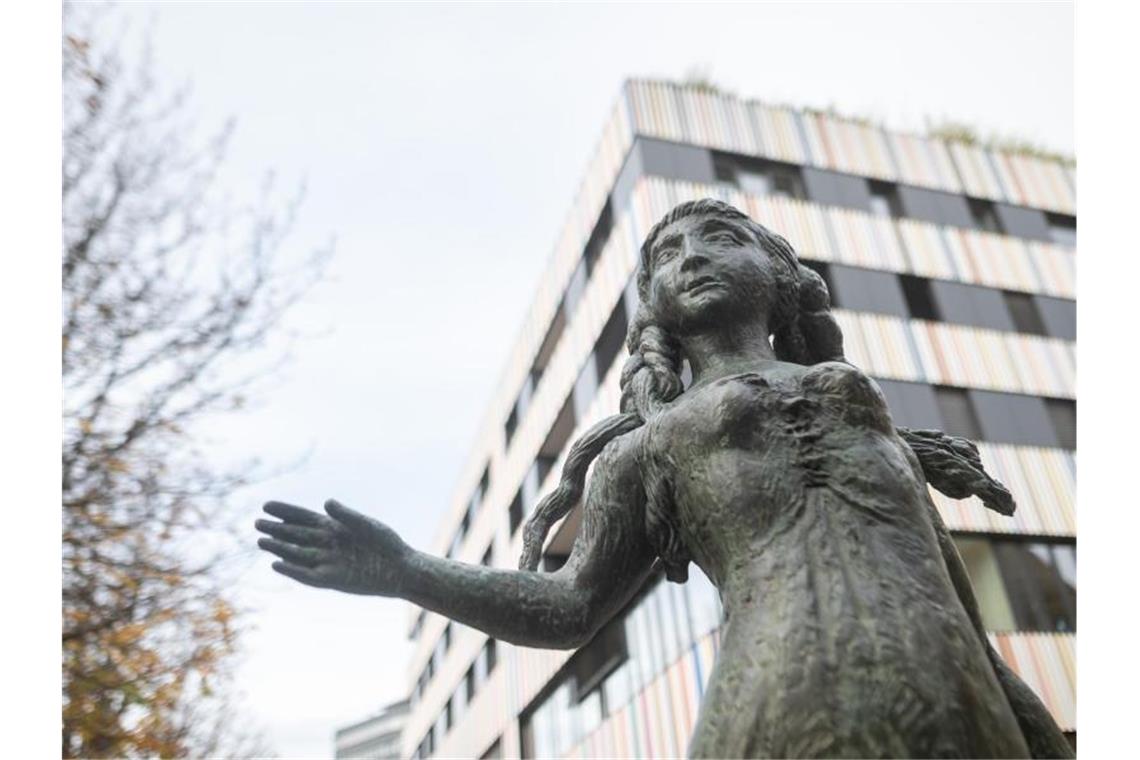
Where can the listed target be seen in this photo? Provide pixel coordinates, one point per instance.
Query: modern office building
(375, 738)
(952, 271)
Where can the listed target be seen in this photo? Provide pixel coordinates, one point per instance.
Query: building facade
(952, 273)
(376, 738)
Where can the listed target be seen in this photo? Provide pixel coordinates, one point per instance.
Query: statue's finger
(294, 534)
(299, 555)
(292, 514)
(348, 517)
(302, 574)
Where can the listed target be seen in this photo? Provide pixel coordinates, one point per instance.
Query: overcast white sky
(442, 146)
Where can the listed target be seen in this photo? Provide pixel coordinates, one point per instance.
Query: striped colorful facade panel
(1043, 483)
(947, 354)
(924, 162)
(926, 250)
(864, 240)
(780, 134)
(848, 146)
(714, 120)
(847, 236)
(1047, 662)
(1031, 181)
(659, 721)
(976, 171)
(997, 261)
(1056, 268)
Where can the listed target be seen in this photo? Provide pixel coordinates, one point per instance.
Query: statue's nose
(694, 257)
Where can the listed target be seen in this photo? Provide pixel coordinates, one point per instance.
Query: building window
(1026, 317)
(599, 236)
(488, 559)
(1041, 580)
(593, 662)
(919, 298)
(884, 199)
(515, 512)
(612, 340)
(549, 343)
(520, 407)
(556, 440)
(759, 177)
(957, 412)
(490, 657)
(417, 626)
(469, 683)
(985, 217)
(512, 423)
(1022, 585)
(477, 497)
(494, 752)
(1062, 229)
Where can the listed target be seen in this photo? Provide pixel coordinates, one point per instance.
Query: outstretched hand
(344, 550)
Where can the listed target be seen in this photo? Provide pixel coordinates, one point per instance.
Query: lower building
(375, 738)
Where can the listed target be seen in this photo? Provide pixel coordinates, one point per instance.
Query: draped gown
(844, 635)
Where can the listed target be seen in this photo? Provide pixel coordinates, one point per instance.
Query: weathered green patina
(850, 625)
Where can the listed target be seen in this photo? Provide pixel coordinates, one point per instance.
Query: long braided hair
(803, 332)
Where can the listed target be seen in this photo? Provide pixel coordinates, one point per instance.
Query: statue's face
(706, 270)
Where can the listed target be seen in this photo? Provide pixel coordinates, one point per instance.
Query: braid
(821, 334)
(649, 379)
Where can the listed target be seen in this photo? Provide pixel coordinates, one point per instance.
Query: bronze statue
(850, 625)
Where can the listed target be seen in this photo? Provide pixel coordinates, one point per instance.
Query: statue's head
(707, 265)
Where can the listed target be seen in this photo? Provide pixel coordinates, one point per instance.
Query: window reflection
(1023, 585)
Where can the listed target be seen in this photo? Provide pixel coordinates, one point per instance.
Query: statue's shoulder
(841, 374)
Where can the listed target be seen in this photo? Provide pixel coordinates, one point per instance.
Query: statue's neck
(719, 352)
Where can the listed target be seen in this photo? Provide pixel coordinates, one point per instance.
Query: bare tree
(167, 293)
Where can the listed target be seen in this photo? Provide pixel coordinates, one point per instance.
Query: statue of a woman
(850, 625)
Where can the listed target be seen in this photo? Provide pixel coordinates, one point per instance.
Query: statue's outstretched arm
(351, 552)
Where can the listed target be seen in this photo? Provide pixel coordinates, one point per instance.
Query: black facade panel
(834, 189)
(971, 305)
(675, 161)
(1059, 316)
(912, 405)
(867, 290)
(958, 415)
(1013, 418)
(1023, 222)
(935, 206)
(1063, 412)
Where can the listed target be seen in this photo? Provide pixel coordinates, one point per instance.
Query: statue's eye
(723, 237)
(666, 254)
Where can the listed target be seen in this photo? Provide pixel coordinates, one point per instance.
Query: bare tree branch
(170, 298)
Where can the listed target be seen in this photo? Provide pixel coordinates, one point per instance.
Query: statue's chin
(708, 308)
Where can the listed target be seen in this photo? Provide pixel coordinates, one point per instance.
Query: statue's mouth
(703, 283)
